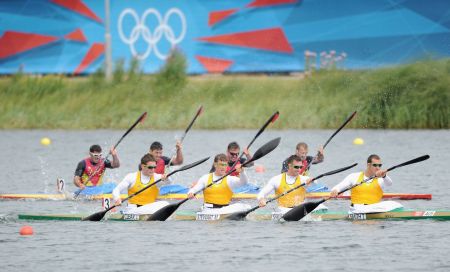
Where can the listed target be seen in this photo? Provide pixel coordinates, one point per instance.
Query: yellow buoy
(45, 141)
(358, 141)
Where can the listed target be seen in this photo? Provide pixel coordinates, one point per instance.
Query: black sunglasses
(297, 166)
(233, 154)
(377, 164)
(150, 166)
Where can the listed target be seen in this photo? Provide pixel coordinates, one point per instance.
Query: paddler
(301, 150)
(233, 151)
(90, 171)
(285, 181)
(144, 202)
(366, 198)
(156, 150)
(217, 197)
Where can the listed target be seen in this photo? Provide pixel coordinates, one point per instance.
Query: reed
(414, 96)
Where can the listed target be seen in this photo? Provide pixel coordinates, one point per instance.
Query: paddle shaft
(331, 137)
(272, 119)
(301, 185)
(199, 111)
(99, 215)
(302, 210)
(419, 159)
(165, 212)
(140, 119)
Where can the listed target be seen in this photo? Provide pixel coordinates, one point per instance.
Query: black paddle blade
(95, 216)
(300, 211)
(237, 216)
(164, 213)
(264, 150)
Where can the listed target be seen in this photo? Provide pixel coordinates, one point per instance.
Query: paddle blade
(275, 117)
(264, 150)
(95, 216)
(200, 111)
(164, 213)
(419, 159)
(237, 216)
(301, 211)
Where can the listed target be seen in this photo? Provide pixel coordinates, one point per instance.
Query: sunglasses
(297, 166)
(222, 164)
(149, 166)
(233, 154)
(97, 155)
(377, 164)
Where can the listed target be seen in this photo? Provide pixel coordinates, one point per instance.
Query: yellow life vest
(147, 196)
(295, 197)
(219, 193)
(367, 193)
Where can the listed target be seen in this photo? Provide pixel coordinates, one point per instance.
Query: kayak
(321, 215)
(177, 196)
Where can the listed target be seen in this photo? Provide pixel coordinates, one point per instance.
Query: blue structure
(67, 36)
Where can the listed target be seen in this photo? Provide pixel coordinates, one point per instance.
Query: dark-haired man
(156, 150)
(233, 151)
(301, 150)
(144, 202)
(367, 197)
(217, 197)
(284, 182)
(90, 171)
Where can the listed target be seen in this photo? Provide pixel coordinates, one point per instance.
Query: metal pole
(108, 48)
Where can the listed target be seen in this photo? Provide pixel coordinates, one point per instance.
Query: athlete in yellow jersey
(367, 197)
(285, 181)
(144, 202)
(217, 197)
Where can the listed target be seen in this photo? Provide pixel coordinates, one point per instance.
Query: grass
(414, 96)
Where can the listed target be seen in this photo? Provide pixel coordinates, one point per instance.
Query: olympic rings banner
(221, 36)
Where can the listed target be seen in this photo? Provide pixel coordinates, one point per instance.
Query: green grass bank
(414, 96)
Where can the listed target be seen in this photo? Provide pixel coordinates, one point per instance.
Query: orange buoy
(260, 169)
(26, 230)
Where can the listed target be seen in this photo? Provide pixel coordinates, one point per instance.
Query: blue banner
(68, 36)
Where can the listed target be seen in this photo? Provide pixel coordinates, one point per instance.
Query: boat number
(276, 216)
(357, 216)
(207, 217)
(428, 213)
(131, 217)
(106, 203)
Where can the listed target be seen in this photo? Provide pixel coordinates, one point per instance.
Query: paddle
(272, 119)
(241, 215)
(331, 137)
(99, 215)
(199, 111)
(139, 120)
(164, 213)
(302, 210)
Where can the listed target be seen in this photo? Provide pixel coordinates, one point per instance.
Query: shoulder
(165, 159)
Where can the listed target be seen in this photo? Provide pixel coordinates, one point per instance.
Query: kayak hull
(262, 216)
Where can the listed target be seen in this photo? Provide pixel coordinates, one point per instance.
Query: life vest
(295, 197)
(367, 193)
(304, 171)
(219, 193)
(145, 197)
(230, 164)
(160, 167)
(92, 174)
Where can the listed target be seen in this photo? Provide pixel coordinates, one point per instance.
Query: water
(29, 167)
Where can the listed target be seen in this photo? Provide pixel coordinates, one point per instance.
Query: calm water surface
(29, 167)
